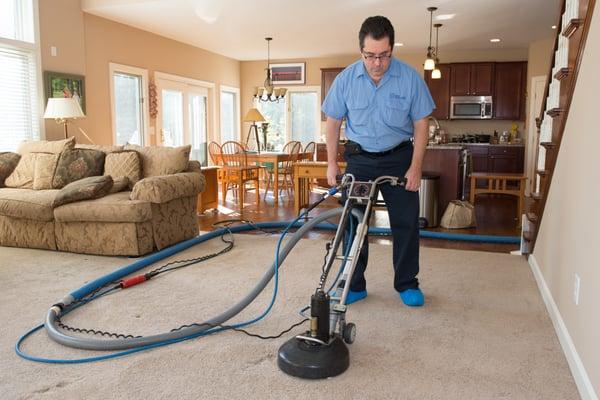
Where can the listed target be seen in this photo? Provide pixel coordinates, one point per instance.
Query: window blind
(18, 97)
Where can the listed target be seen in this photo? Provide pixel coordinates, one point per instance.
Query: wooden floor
(496, 215)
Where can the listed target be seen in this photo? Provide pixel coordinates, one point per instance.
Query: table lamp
(253, 116)
(63, 110)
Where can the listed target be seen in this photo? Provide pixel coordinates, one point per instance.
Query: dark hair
(377, 27)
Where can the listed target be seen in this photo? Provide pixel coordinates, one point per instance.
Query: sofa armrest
(164, 188)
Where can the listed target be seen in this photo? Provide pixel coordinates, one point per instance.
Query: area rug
(483, 333)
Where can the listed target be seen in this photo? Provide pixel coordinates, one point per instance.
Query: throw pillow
(158, 160)
(43, 170)
(124, 164)
(77, 164)
(119, 184)
(100, 147)
(45, 146)
(83, 189)
(8, 163)
(22, 176)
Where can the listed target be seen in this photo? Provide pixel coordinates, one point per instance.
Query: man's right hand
(332, 173)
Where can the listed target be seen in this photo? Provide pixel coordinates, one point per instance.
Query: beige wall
(69, 43)
(253, 74)
(568, 238)
(91, 43)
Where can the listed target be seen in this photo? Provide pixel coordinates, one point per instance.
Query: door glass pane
(198, 128)
(172, 118)
(274, 113)
(128, 110)
(228, 117)
(304, 116)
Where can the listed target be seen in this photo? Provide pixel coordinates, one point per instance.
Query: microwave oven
(470, 107)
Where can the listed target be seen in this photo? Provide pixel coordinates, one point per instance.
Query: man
(386, 104)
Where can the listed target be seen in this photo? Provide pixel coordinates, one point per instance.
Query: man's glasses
(370, 57)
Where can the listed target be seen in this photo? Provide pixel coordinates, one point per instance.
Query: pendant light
(436, 73)
(430, 62)
(269, 93)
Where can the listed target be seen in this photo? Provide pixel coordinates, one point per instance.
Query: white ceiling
(321, 28)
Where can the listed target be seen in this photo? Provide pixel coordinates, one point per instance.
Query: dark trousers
(403, 211)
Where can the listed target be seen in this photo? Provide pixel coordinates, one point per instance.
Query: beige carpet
(483, 334)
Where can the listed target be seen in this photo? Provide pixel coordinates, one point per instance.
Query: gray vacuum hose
(122, 344)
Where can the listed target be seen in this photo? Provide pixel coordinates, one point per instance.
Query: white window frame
(35, 48)
(288, 110)
(212, 121)
(127, 69)
(237, 117)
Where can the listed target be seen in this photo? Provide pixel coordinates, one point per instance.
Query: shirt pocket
(358, 112)
(397, 113)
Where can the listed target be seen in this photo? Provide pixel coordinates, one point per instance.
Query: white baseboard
(582, 380)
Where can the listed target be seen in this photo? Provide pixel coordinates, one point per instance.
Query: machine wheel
(349, 333)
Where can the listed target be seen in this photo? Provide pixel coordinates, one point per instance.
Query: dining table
(275, 158)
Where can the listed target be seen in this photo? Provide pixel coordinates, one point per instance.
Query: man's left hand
(413, 178)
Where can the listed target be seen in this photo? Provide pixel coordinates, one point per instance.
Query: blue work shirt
(379, 117)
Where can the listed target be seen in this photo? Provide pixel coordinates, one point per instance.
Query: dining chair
(286, 168)
(237, 172)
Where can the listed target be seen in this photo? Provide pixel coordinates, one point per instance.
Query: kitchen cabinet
(469, 79)
(445, 161)
(506, 159)
(440, 91)
(509, 94)
(327, 77)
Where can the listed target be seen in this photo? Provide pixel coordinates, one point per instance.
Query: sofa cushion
(158, 160)
(43, 170)
(119, 184)
(8, 163)
(46, 146)
(83, 189)
(162, 189)
(22, 176)
(115, 207)
(27, 203)
(124, 164)
(99, 147)
(77, 164)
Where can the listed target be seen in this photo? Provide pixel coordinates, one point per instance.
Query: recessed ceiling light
(495, 40)
(444, 17)
(398, 44)
(553, 26)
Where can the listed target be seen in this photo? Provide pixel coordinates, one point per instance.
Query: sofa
(114, 200)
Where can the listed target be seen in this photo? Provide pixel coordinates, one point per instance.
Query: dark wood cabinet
(479, 157)
(509, 93)
(468, 79)
(440, 91)
(497, 158)
(327, 77)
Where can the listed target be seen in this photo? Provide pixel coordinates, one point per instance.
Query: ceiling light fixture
(436, 73)
(495, 40)
(553, 26)
(397, 44)
(269, 93)
(430, 62)
(445, 17)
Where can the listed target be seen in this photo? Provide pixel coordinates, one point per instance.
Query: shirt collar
(393, 70)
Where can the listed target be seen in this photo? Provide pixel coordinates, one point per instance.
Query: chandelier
(430, 62)
(268, 92)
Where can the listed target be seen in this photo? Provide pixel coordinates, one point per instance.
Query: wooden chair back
(233, 154)
(310, 149)
(214, 150)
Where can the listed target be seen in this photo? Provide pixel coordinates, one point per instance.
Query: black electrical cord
(233, 328)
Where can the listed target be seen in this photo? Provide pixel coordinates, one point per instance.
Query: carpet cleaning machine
(320, 352)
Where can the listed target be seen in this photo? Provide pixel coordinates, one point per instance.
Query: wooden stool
(499, 183)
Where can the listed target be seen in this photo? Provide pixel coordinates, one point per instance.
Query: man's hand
(413, 178)
(332, 172)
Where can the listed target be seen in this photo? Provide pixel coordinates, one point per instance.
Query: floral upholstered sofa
(108, 200)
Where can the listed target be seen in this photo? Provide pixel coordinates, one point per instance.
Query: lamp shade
(63, 108)
(436, 74)
(253, 115)
(429, 64)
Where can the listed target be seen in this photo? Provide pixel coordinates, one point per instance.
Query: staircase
(572, 30)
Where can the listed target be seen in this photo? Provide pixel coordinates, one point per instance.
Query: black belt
(390, 151)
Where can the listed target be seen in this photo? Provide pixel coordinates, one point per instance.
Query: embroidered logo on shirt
(395, 96)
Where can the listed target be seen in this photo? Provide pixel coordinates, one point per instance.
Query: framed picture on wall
(287, 74)
(57, 84)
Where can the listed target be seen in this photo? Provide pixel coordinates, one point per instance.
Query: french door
(183, 117)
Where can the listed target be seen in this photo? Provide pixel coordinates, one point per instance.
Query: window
(230, 115)
(128, 89)
(20, 103)
(296, 117)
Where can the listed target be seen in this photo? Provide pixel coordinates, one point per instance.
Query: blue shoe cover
(353, 297)
(413, 297)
